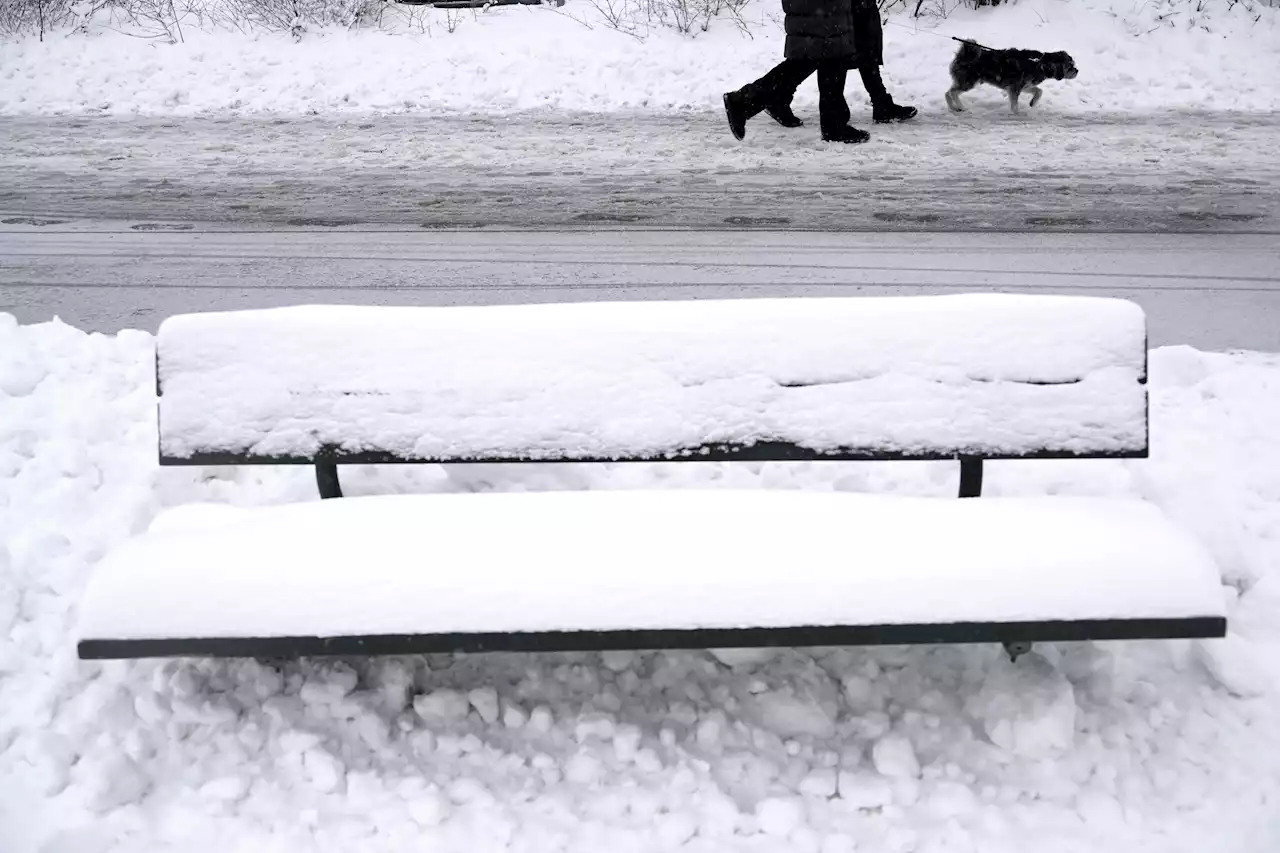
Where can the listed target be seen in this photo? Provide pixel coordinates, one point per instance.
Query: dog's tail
(968, 49)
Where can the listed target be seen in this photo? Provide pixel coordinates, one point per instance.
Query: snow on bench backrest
(986, 374)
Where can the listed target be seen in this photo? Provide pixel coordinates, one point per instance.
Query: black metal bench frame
(1016, 637)
(327, 461)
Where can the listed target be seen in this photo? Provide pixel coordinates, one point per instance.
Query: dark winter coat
(822, 30)
(868, 33)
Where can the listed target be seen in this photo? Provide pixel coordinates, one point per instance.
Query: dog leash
(974, 43)
(917, 31)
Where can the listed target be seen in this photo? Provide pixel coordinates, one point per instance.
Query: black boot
(737, 110)
(782, 114)
(883, 109)
(886, 111)
(848, 133)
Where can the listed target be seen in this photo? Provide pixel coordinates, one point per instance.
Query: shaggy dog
(1010, 70)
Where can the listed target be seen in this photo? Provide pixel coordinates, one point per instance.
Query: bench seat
(645, 569)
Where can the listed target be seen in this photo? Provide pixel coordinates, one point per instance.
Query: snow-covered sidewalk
(1150, 57)
(977, 171)
(1163, 747)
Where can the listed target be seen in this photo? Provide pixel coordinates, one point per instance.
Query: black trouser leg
(779, 85)
(833, 109)
(874, 85)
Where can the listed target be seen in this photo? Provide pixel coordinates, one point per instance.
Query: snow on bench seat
(494, 563)
(992, 375)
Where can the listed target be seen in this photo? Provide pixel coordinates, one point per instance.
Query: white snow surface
(983, 373)
(404, 564)
(1133, 57)
(1148, 747)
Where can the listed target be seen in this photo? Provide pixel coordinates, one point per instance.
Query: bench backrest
(990, 375)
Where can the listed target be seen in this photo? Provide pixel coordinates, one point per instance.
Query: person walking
(868, 31)
(815, 28)
(820, 37)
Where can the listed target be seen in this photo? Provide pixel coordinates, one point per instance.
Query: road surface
(1211, 291)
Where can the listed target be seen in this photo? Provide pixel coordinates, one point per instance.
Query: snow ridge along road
(1173, 172)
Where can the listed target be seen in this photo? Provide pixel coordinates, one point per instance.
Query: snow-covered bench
(968, 377)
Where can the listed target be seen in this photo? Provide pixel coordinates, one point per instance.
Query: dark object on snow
(868, 35)
(775, 88)
(847, 134)
(819, 30)
(782, 114)
(737, 111)
(1011, 70)
(888, 111)
(834, 29)
(1017, 638)
(883, 108)
(849, 30)
(828, 37)
(867, 57)
(972, 42)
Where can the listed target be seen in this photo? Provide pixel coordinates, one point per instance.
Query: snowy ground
(1133, 57)
(1167, 747)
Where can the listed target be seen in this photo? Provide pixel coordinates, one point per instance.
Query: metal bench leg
(1017, 650)
(327, 480)
(970, 476)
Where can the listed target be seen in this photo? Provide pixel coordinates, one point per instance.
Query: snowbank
(1167, 55)
(1166, 747)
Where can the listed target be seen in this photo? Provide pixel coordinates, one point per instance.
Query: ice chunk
(594, 727)
(325, 770)
(428, 807)
(1237, 664)
(115, 782)
(780, 816)
(485, 701)
(819, 783)
(789, 715)
(226, 788)
(895, 757)
(863, 790)
(1027, 707)
(584, 768)
(442, 706)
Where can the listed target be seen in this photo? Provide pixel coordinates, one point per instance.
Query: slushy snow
(1154, 747)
